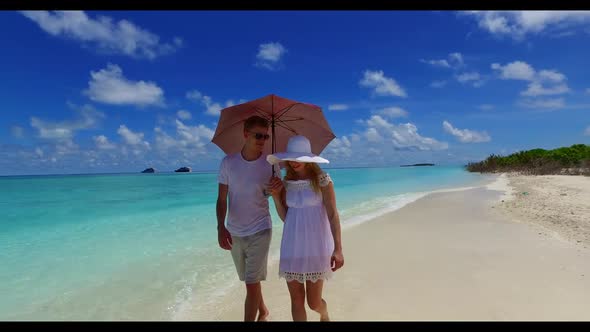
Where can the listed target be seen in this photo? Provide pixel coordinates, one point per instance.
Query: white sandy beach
(462, 255)
(558, 203)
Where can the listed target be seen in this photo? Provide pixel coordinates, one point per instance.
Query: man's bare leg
(262, 309)
(253, 301)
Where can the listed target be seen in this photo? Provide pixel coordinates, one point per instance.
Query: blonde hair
(313, 169)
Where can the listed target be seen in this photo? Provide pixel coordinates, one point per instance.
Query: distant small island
(417, 165)
(149, 170)
(573, 160)
(183, 170)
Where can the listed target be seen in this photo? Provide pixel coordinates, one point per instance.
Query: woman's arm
(329, 198)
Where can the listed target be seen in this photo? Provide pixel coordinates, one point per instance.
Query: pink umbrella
(287, 118)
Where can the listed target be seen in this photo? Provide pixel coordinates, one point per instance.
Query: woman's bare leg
(315, 300)
(297, 291)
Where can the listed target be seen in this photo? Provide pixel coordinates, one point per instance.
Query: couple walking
(311, 247)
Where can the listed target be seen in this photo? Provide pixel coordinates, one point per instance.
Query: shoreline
(445, 256)
(215, 306)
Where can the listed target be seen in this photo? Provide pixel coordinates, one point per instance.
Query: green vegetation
(567, 160)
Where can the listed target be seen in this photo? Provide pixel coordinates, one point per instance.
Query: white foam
(396, 203)
(502, 184)
(450, 190)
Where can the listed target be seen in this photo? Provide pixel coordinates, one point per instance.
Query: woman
(311, 247)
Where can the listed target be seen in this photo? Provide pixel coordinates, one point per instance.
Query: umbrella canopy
(287, 118)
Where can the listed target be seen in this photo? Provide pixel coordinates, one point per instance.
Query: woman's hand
(275, 186)
(337, 260)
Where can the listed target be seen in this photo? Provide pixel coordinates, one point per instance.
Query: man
(244, 177)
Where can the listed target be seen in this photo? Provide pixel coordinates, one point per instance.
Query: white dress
(307, 244)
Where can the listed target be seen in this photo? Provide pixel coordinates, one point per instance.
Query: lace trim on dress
(325, 179)
(302, 277)
(298, 184)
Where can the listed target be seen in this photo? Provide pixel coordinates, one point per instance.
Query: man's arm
(223, 235)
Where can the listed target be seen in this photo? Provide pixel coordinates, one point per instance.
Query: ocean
(144, 246)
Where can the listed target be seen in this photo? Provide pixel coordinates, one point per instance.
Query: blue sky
(86, 92)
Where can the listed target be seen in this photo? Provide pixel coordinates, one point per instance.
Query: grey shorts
(250, 255)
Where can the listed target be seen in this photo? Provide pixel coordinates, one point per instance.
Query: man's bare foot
(263, 315)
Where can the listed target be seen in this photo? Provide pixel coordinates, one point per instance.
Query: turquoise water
(144, 246)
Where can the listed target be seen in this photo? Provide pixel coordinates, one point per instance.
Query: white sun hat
(298, 149)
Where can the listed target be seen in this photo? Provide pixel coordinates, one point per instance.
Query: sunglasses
(260, 136)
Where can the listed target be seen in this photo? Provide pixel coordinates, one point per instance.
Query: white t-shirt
(248, 205)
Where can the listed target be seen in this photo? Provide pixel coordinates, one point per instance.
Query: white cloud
(51, 130)
(341, 147)
(466, 77)
(212, 108)
(270, 52)
(103, 143)
(194, 95)
(486, 107)
(454, 60)
(519, 24)
(392, 112)
(164, 141)
(122, 37)
(17, 131)
(438, 84)
(437, 63)
(194, 135)
(493, 23)
(372, 135)
(373, 151)
(588, 91)
(184, 115)
(187, 137)
(183, 144)
(337, 107)
(66, 147)
(466, 135)
(401, 136)
(517, 70)
(587, 131)
(132, 138)
(382, 85)
(536, 89)
(269, 55)
(551, 75)
(88, 118)
(109, 86)
(470, 77)
(554, 103)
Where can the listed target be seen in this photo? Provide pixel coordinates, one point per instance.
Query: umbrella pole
(272, 124)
